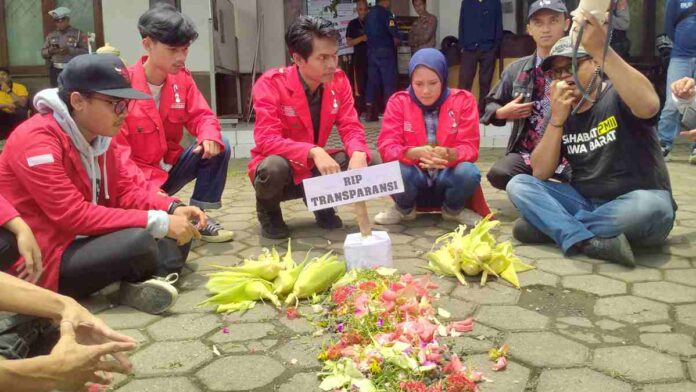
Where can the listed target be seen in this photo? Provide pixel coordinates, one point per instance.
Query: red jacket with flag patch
(284, 125)
(403, 128)
(151, 135)
(43, 177)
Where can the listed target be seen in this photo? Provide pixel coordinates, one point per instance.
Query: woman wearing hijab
(433, 131)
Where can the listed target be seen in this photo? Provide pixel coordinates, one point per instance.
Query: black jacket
(517, 78)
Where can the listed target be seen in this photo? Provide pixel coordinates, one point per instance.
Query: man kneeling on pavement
(296, 108)
(620, 193)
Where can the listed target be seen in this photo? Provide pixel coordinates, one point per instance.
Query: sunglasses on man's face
(120, 106)
(559, 72)
(59, 20)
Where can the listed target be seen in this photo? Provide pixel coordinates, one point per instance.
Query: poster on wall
(345, 12)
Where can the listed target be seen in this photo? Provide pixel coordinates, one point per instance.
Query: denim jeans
(210, 175)
(645, 216)
(668, 127)
(450, 189)
(382, 75)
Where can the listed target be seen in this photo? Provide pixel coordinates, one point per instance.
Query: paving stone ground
(576, 325)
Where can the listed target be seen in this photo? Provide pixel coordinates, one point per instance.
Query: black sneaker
(327, 219)
(615, 249)
(527, 233)
(272, 224)
(154, 296)
(665, 153)
(213, 232)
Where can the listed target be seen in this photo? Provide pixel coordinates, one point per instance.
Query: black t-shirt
(611, 151)
(355, 29)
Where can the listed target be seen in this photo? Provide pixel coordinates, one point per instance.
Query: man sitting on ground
(93, 223)
(620, 189)
(154, 127)
(523, 95)
(296, 109)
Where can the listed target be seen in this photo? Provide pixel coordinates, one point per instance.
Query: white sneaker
(152, 296)
(394, 216)
(465, 217)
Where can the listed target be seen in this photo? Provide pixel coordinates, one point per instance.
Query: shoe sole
(152, 298)
(219, 237)
(274, 236)
(626, 246)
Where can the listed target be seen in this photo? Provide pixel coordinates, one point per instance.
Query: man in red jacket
(296, 109)
(93, 223)
(153, 130)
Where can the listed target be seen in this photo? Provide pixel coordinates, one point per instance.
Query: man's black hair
(425, 2)
(5, 70)
(163, 23)
(64, 96)
(301, 34)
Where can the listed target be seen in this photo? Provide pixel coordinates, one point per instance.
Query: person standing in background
(424, 29)
(382, 40)
(357, 39)
(480, 35)
(621, 22)
(680, 26)
(523, 96)
(62, 44)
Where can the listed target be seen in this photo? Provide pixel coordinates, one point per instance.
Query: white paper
(368, 252)
(353, 185)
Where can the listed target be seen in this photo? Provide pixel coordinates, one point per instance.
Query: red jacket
(42, 175)
(403, 127)
(7, 211)
(154, 135)
(284, 126)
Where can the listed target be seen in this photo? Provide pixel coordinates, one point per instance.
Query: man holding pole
(296, 108)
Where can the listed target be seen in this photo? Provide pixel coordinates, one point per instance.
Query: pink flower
(410, 307)
(413, 386)
(291, 313)
(463, 326)
(341, 293)
(361, 305)
(476, 376)
(388, 296)
(454, 365)
(226, 330)
(500, 364)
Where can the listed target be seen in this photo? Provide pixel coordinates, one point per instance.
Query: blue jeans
(210, 175)
(381, 73)
(450, 190)
(645, 216)
(668, 127)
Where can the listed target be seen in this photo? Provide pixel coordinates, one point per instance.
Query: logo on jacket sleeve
(288, 111)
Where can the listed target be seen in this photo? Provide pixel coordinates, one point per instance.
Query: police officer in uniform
(382, 39)
(62, 44)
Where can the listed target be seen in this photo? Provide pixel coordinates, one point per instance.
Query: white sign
(353, 186)
(345, 12)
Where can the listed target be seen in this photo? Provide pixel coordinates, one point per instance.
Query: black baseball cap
(553, 5)
(99, 73)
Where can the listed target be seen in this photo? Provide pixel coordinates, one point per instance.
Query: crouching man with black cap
(67, 180)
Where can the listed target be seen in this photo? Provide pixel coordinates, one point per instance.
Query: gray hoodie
(47, 101)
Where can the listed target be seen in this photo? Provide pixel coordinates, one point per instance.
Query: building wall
(246, 26)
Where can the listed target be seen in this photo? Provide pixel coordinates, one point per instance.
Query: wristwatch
(174, 206)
